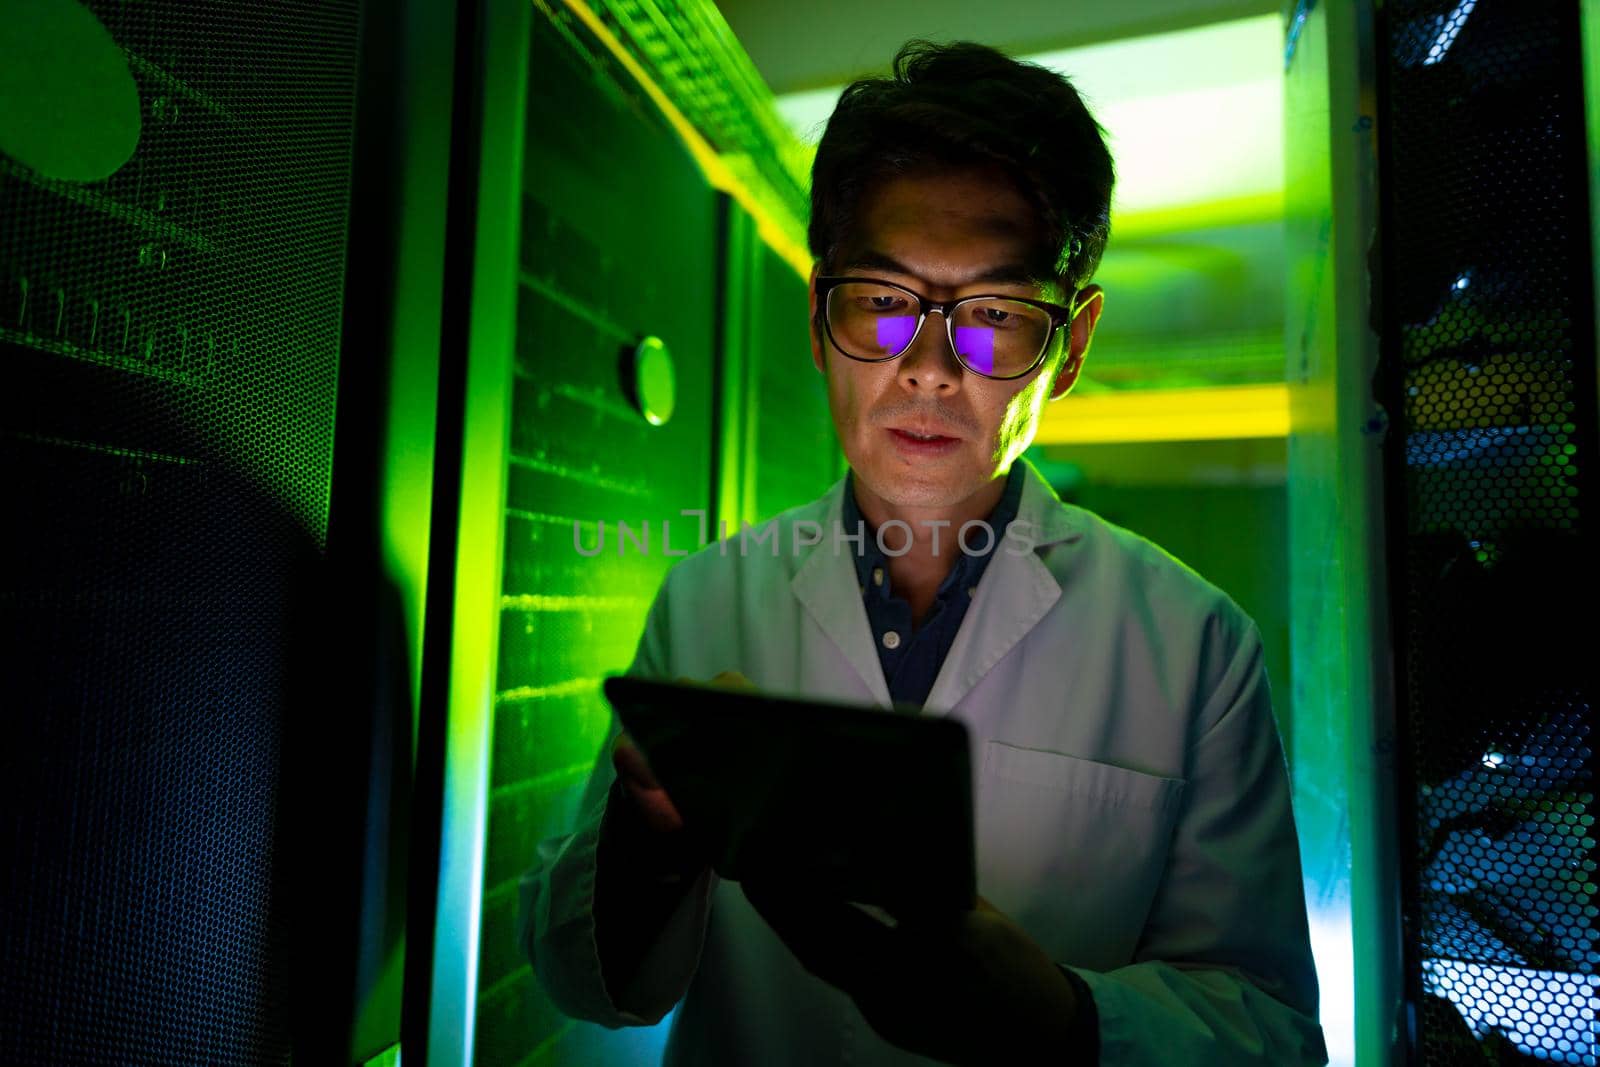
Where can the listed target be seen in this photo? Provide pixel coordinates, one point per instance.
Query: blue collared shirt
(912, 654)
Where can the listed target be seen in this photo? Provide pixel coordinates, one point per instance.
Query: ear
(1086, 307)
(816, 332)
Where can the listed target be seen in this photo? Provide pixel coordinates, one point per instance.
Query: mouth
(922, 442)
(924, 433)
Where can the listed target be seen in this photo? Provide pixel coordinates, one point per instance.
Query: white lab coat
(1132, 801)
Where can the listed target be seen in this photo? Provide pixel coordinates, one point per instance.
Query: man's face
(945, 236)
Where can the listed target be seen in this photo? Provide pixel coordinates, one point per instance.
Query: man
(1138, 866)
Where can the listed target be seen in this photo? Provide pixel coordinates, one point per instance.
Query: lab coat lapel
(1016, 591)
(825, 582)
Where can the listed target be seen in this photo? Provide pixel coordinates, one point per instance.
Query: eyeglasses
(1000, 337)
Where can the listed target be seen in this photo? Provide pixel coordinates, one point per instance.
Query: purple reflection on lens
(895, 333)
(976, 346)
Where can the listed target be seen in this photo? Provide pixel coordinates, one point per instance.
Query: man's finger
(937, 922)
(631, 764)
(725, 680)
(642, 788)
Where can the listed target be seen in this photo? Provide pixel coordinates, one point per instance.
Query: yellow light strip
(716, 171)
(1182, 218)
(1215, 414)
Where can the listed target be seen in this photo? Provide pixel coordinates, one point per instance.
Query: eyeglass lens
(993, 336)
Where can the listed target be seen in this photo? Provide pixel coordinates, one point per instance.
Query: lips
(925, 433)
(911, 446)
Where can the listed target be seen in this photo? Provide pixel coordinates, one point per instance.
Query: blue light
(1503, 444)
(1452, 24)
(1547, 1014)
(1333, 946)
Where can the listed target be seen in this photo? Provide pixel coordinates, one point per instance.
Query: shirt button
(891, 640)
(877, 576)
(970, 590)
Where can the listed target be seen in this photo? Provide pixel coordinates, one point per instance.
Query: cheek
(841, 393)
(1020, 412)
(839, 405)
(849, 397)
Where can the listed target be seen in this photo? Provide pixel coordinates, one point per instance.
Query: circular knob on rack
(650, 381)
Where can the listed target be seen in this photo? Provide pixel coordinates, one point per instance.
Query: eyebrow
(1004, 274)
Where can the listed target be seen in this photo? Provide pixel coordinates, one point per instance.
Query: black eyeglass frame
(1059, 317)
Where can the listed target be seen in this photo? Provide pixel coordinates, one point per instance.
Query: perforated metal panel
(169, 350)
(1490, 373)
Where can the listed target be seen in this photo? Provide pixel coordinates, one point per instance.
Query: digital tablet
(867, 805)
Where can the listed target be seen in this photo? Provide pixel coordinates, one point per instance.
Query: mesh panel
(169, 337)
(1488, 344)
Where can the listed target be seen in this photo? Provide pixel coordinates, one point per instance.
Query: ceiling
(1190, 96)
(1192, 117)
(821, 43)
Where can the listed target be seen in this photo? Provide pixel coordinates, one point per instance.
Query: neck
(934, 548)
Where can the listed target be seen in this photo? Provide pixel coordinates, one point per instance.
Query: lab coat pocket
(1073, 849)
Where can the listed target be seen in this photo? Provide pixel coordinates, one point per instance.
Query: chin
(919, 488)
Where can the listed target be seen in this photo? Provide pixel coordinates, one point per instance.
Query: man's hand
(643, 851)
(650, 800)
(956, 988)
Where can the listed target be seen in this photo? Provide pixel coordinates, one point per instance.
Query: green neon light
(722, 107)
(1343, 767)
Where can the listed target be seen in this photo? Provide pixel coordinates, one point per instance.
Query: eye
(881, 303)
(994, 317)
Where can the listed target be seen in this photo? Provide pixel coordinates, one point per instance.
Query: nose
(930, 364)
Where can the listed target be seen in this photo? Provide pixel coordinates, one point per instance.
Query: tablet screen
(868, 805)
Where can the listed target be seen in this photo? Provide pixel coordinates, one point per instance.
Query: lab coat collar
(1053, 520)
(1016, 591)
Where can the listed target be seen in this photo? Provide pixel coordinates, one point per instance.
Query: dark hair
(949, 107)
